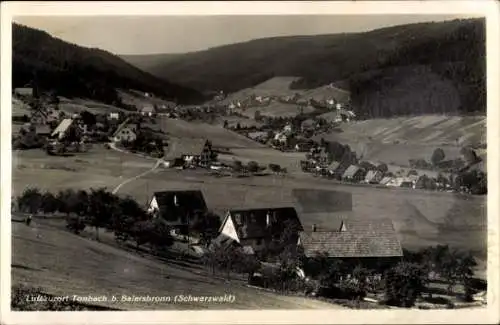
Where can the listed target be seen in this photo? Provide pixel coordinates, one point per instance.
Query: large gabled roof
(192, 199)
(359, 238)
(62, 127)
(185, 147)
(252, 223)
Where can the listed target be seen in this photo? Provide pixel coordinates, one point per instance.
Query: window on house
(258, 241)
(237, 218)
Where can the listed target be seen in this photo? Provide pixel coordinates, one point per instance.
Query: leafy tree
(275, 168)
(49, 203)
(237, 166)
(437, 156)
(207, 226)
(253, 167)
(469, 155)
(160, 234)
(30, 200)
(457, 267)
(403, 284)
(102, 208)
(129, 212)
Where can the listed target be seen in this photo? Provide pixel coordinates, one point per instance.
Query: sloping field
(276, 109)
(219, 136)
(266, 156)
(326, 92)
(277, 86)
(76, 105)
(399, 139)
(45, 256)
(97, 168)
(136, 98)
(421, 218)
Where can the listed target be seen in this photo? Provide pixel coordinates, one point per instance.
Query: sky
(180, 34)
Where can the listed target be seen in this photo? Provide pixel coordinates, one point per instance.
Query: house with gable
(253, 229)
(371, 242)
(188, 151)
(178, 208)
(373, 177)
(148, 110)
(126, 131)
(67, 128)
(354, 173)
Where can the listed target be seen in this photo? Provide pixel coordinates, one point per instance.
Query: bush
(403, 284)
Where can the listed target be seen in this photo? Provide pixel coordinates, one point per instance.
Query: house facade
(254, 229)
(148, 110)
(178, 208)
(126, 133)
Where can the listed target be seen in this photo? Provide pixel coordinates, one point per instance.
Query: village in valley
(281, 196)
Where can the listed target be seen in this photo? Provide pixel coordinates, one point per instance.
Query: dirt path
(156, 165)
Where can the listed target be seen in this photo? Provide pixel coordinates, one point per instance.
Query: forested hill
(72, 70)
(416, 68)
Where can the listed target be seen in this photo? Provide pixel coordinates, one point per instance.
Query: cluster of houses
(253, 227)
(372, 175)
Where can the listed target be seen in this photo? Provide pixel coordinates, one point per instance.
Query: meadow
(44, 255)
(396, 140)
(219, 136)
(421, 217)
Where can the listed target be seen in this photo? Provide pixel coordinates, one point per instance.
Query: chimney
(314, 227)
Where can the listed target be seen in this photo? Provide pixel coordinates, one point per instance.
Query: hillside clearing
(396, 140)
(219, 136)
(47, 260)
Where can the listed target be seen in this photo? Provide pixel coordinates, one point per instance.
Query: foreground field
(421, 218)
(44, 256)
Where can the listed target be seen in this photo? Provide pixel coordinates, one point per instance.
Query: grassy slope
(405, 62)
(78, 71)
(399, 139)
(49, 261)
(219, 136)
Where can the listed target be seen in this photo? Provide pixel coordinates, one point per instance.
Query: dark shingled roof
(252, 223)
(361, 238)
(188, 202)
(185, 147)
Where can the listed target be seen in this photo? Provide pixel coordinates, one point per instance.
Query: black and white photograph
(222, 162)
